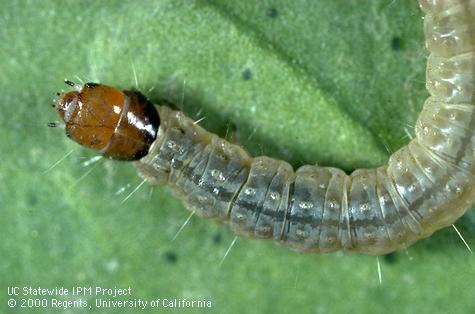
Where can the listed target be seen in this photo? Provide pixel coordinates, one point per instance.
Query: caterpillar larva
(426, 185)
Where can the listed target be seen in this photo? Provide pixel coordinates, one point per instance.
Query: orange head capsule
(120, 124)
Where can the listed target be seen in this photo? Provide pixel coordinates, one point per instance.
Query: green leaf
(334, 82)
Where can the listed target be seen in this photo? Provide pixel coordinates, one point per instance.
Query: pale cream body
(427, 185)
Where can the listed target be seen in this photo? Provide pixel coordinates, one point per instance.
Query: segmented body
(426, 185)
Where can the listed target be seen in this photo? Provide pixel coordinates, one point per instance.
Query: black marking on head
(91, 85)
(247, 74)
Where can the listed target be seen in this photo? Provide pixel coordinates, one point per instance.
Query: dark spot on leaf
(247, 74)
(272, 13)
(390, 258)
(217, 238)
(171, 257)
(396, 43)
(32, 199)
